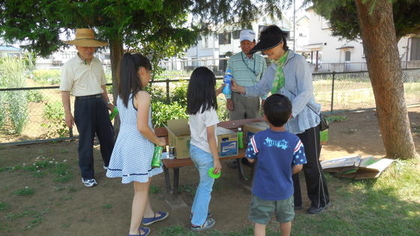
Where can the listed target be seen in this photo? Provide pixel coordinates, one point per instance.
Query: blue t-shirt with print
(276, 153)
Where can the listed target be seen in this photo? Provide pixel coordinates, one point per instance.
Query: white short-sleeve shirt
(198, 127)
(82, 79)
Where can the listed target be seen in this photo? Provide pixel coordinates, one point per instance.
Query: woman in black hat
(289, 75)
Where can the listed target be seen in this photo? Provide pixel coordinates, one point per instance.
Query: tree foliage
(138, 24)
(342, 16)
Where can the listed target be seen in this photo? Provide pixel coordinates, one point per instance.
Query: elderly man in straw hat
(84, 77)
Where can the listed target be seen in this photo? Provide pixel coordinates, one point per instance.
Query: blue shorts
(261, 210)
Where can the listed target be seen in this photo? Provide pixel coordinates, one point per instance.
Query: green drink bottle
(156, 161)
(240, 138)
(113, 113)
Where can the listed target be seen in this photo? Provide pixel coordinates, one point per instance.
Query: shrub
(34, 96)
(51, 77)
(54, 120)
(15, 104)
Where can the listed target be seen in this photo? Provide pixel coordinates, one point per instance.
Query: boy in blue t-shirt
(280, 154)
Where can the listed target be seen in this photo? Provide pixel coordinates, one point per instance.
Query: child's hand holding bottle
(161, 142)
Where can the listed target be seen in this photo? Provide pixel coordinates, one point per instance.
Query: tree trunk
(381, 51)
(116, 51)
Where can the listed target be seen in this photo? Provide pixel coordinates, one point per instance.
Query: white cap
(247, 34)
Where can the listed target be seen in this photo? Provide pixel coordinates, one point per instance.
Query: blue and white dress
(132, 155)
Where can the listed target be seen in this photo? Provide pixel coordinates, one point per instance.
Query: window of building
(225, 38)
(205, 42)
(415, 49)
(235, 34)
(347, 56)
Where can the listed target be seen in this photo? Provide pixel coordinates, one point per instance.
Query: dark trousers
(91, 116)
(316, 185)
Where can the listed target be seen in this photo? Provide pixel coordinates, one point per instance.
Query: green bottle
(240, 138)
(156, 161)
(113, 113)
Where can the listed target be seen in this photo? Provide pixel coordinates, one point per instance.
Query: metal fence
(43, 115)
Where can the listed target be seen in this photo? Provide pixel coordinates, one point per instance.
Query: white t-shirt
(198, 127)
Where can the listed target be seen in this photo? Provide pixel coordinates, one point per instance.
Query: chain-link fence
(35, 114)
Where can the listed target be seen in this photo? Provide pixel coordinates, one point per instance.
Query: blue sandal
(154, 219)
(146, 231)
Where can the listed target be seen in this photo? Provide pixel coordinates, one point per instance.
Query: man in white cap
(247, 70)
(84, 77)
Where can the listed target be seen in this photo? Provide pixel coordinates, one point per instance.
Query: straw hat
(86, 38)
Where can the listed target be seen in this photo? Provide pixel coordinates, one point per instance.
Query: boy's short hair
(277, 109)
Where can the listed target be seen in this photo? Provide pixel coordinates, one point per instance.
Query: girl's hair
(129, 79)
(201, 92)
(278, 109)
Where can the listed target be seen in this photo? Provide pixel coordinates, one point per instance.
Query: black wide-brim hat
(269, 38)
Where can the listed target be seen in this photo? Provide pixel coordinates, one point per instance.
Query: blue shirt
(276, 153)
(298, 88)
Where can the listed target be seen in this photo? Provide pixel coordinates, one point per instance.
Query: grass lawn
(389, 205)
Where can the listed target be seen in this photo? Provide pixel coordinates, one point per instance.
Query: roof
(9, 48)
(345, 47)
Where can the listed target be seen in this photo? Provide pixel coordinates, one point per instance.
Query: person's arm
(304, 89)
(264, 68)
(65, 98)
(219, 90)
(106, 98)
(211, 138)
(296, 169)
(142, 102)
(261, 88)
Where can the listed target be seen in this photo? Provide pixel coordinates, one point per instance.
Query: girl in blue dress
(132, 155)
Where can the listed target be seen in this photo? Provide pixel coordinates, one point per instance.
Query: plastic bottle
(240, 138)
(156, 161)
(113, 113)
(227, 80)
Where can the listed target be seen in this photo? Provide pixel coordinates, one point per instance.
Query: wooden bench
(175, 164)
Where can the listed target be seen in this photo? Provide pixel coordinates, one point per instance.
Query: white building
(58, 58)
(329, 53)
(214, 49)
(10, 51)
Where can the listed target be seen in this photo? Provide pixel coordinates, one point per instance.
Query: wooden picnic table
(176, 164)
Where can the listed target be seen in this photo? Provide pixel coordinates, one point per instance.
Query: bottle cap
(213, 175)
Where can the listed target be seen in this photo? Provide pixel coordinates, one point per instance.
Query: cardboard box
(251, 128)
(357, 167)
(227, 142)
(179, 136)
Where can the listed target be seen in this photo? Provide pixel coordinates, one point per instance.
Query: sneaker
(317, 210)
(89, 182)
(209, 223)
